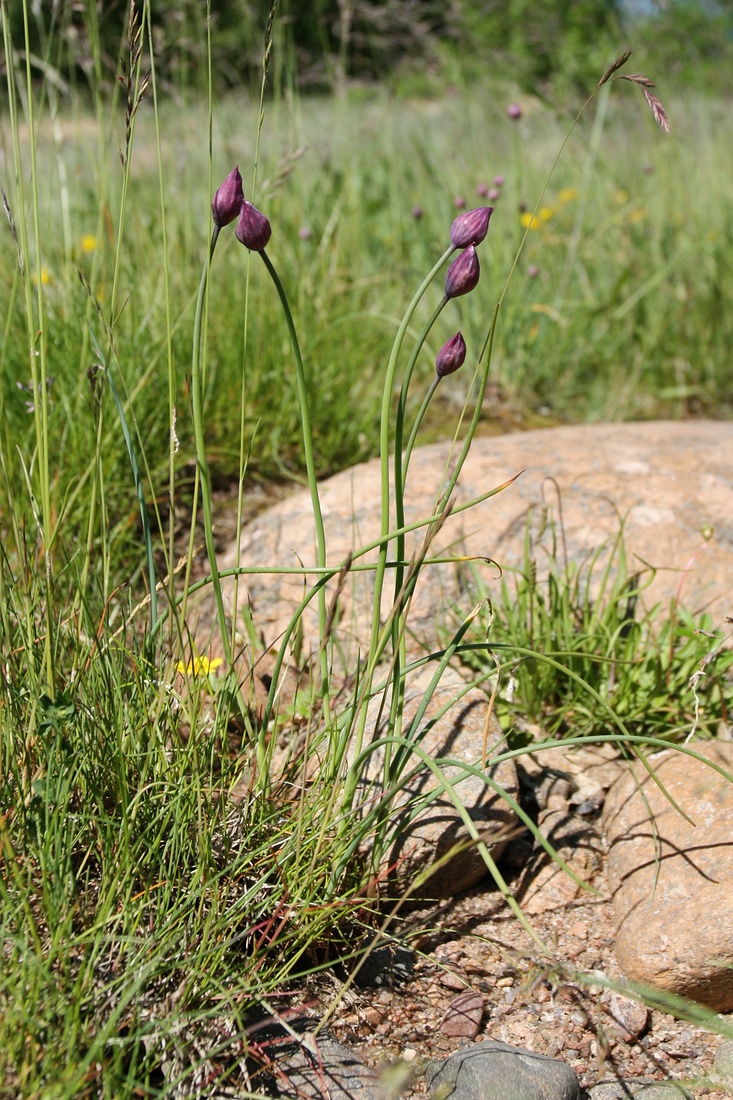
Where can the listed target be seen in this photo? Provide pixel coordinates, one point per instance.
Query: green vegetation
(176, 854)
(579, 649)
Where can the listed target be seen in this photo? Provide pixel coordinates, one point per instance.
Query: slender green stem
(311, 473)
(416, 428)
(375, 646)
(398, 633)
(201, 461)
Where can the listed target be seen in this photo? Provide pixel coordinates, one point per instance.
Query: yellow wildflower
(529, 222)
(568, 194)
(199, 666)
(88, 242)
(545, 213)
(44, 278)
(621, 196)
(637, 215)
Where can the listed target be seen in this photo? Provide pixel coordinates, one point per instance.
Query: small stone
(491, 1070)
(638, 1090)
(451, 980)
(723, 1067)
(632, 1016)
(321, 1065)
(463, 1016)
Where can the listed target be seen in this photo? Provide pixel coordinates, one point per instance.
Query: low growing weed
(577, 645)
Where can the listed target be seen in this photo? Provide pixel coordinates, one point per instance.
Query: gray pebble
(496, 1071)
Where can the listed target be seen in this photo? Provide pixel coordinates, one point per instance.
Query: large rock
(672, 879)
(673, 483)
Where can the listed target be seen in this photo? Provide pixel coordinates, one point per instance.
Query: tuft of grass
(579, 649)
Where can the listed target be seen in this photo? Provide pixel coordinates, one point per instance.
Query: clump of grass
(578, 648)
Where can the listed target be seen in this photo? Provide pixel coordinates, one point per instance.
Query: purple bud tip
(498, 181)
(471, 227)
(253, 228)
(463, 274)
(459, 202)
(533, 271)
(417, 212)
(482, 190)
(305, 233)
(514, 111)
(494, 194)
(451, 356)
(228, 200)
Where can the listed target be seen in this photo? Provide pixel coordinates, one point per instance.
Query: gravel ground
(474, 949)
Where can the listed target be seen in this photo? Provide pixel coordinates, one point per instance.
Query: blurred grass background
(377, 113)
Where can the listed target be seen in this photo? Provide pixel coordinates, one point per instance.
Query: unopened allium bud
(494, 194)
(463, 274)
(228, 200)
(451, 356)
(459, 202)
(417, 212)
(482, 189)
(514, 111)
(533, 271)
(253, 228)
(498, 181)
(471, 227)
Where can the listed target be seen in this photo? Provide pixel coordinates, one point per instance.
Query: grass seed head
(451, 356)
(471, 227)
(228, 199)
(253, 228)
(463, 274)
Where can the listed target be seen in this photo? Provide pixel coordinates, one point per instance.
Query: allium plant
(346, 734)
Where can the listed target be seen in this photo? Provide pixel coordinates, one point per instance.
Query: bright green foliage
(579, 650)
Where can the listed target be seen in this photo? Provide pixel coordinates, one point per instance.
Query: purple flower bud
(463, 274)
(305, 233)
(494, 194)
(459, 202)
(253, 228)
(514, 111)
(482, 190)
(471, 227)
(498, 181)
(451, 356)
(417, 212)
(228, 199)
(533, 271)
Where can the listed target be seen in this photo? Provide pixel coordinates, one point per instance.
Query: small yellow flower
(621, 196)
(44, 279)
(529, 222)
(637, 215)
(88, 242)
(568, 194)
(545, 213)
(199, 666)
